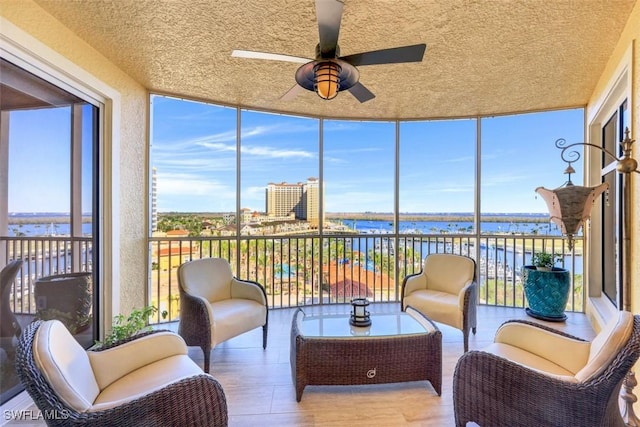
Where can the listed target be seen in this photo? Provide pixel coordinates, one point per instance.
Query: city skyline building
(301, 199)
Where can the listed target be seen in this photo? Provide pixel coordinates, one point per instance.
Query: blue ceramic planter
(547, 292)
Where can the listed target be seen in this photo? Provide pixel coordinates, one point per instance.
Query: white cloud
(265, 151)
(191, 185)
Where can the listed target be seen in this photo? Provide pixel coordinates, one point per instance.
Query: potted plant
(546, 287)
(125, 327)
(545, 261)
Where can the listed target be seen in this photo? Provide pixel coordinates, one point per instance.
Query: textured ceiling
(482, 58)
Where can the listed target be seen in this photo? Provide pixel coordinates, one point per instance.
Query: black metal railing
(42, 256)
(299, 270)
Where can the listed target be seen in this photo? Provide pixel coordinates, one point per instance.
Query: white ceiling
(483, 57)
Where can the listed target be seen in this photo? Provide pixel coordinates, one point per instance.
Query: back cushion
(209, 278)
(606, 345)
(447, 272)
(65, 365)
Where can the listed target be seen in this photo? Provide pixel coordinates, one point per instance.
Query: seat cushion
(438, 306)
(529, 360)
(65, 365)
(111, 364)
(236, 316)
(145, 380)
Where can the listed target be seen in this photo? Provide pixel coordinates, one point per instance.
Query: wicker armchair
(533, 376)
(444, 291)
(61, 378)
(216, 306)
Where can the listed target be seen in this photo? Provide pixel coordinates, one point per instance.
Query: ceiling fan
(330, 73)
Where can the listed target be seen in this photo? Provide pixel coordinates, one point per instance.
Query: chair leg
(465, 338)
(207, 357)
(264, 335)
(473, 330)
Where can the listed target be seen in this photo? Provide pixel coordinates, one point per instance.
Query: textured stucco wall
(630, 34)
(30, 18)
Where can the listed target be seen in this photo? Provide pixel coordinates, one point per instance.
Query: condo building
(302, 199)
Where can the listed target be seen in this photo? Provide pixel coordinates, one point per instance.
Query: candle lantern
(359, 314)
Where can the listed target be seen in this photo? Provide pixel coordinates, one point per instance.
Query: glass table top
(384, 324)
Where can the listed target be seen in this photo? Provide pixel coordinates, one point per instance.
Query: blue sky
(194, 151)
(193, 148)
(39, 160)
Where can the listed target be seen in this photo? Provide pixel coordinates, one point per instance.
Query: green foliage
(545, 260)
(125, 327)
(185, 221)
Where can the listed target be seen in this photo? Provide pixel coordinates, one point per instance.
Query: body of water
(47, 229)
(495, 257)
(461, 227)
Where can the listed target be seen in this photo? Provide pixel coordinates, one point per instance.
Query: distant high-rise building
(311, 202)
(301, 199)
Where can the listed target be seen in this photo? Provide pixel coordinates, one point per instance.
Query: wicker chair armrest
(469, 304)
(491, 390)
(466, 294)
(412, 283)
(195, 319)
(201, 394)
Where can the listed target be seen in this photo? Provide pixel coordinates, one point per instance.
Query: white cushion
(147, 379)
(607, 344)
(112, 364)
(247, 290)
(236, 316)
(568, 353)
(439, 306)
(65, 365)
(530, 360)
(448, 272)
(209, 278)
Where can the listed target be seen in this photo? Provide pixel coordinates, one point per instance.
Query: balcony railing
(42, 256)
(299, 270)
(306, 270)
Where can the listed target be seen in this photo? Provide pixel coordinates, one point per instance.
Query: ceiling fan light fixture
(326, 81)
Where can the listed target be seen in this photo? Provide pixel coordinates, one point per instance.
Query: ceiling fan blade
(292, 93)
(329, 15)
(361, 93)
(269, 56)
(395, 55)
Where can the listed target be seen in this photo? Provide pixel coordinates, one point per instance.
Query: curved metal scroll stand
(626, 165)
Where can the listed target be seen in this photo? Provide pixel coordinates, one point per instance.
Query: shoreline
(13, 220)
(366, 216)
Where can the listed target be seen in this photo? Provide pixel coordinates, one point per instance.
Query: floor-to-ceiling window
(279, 196)
(517, 155)
(359, 182)
(329, 209)
(193, 171)
(48, 208)
(437, 174)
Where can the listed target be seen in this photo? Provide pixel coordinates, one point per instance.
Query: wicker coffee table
(397, 347)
